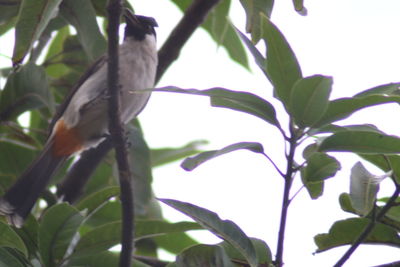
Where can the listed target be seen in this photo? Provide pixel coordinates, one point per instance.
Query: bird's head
(138, 26)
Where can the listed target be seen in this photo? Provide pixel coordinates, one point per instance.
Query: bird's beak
(130, 17)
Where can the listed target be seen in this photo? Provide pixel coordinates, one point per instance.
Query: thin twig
(118, 137)
(286, 195)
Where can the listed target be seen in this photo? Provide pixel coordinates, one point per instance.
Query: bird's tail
(18, 201)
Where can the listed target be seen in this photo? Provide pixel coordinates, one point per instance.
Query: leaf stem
(286, 195)
(275, 166)
(369, 227)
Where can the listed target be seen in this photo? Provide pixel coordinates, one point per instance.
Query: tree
(312, 133)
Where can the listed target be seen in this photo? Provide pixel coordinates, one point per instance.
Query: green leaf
(9, 238)
(319, 167)
(82, 16)
(258, 57)
(264, 254)
(34, 16)
(10, 257)
(25, 89)
(54, 54)
(386, 163)
(174, 243)
(384, 89)
(345, 203)
(14, 158)
(151, 228)
(103, 259)
(29, 234)
(364, 187)
(139, 157)
(342, 108)
(191, 163)
(8, 10)
(240, 101)
(346, 231)
(57, 229)
(361, 142)
(282, 67)
(96, 199)
(299, 7)
(98, 239)
(225, 229)
(217, 24)
(108, 235)
(203, 255)
(309, 99)
(253, 10)
(163, 156)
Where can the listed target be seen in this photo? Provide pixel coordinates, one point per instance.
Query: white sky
(355, 41)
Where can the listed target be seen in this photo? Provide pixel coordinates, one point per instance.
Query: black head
(138, 26)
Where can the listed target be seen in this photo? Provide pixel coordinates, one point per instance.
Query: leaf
(108, 235)
(319, 167)
(342, 108)
(309, 99)
(203, 255)
(240, 101)
(103, 259)
(57, 229)
(264, 254)
(346, 231)
(364, 187)
(139, 157)
(345, 203)
(82, 16)
(217, 24)
(96, 199)
(253, 10)
(299, 7)
(189, 164)
(225, 229)
(9, 238)
(11, 257)
(384, 89)
(54, 54)
(13, 160)
(174, 243)
(25, 89)
(385, 162)
(361, 142)
(163, 156)
(34, 16)
(258, 57)
(281, 65)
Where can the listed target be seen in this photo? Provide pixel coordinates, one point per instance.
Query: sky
(354, 41)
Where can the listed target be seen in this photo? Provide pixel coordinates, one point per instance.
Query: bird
(81, 121)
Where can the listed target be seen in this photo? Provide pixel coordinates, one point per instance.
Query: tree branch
(194, 16)
(118, 136)
(369, 227)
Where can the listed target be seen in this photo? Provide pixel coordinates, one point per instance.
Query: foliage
(83, 234)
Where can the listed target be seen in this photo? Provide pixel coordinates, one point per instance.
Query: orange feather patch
(67, 141)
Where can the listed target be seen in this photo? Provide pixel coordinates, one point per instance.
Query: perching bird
(82, 119)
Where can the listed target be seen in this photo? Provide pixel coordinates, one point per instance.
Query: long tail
(18, 201)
